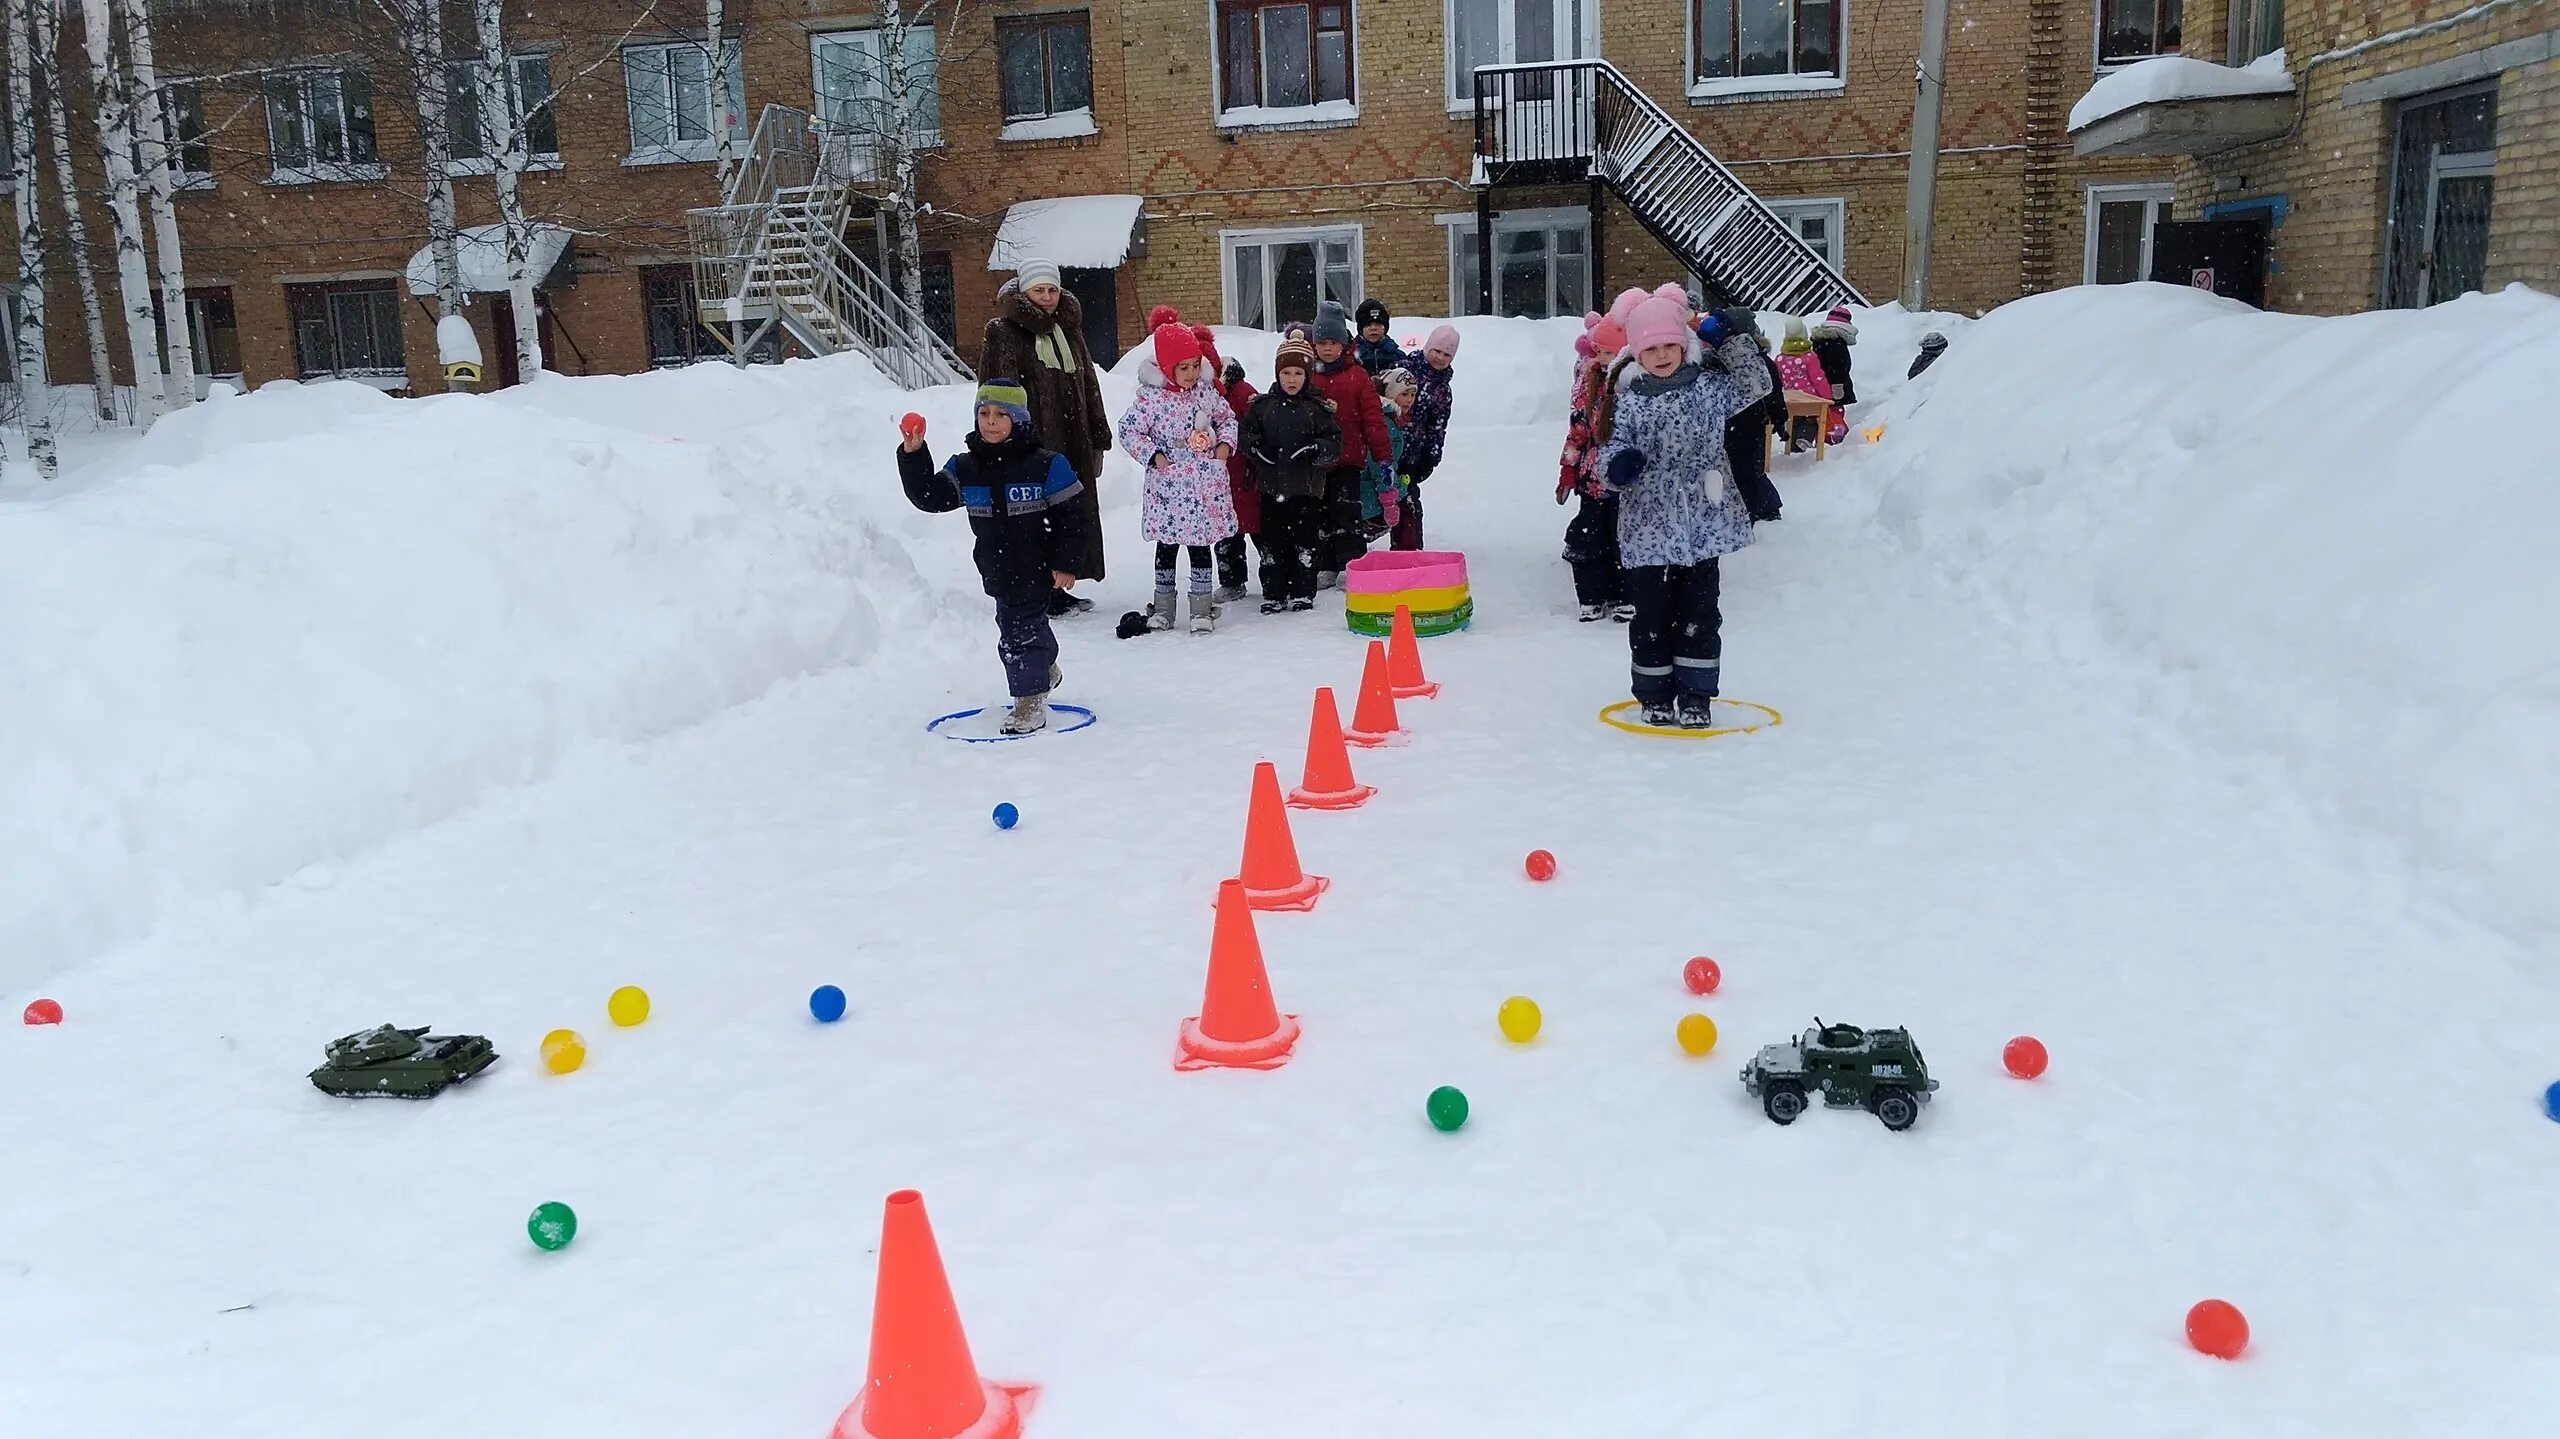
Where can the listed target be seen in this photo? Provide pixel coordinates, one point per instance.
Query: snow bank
(2177, 77)
(283, 627)
(2322, 540)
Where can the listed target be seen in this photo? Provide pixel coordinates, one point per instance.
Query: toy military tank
(387, 1061)
(1851, 1068)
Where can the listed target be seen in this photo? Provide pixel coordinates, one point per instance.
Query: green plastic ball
(553, 1225)
(1447, 1108)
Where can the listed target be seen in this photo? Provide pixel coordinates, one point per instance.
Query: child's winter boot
(1030, 715)
(1593, 613)
(1661, 714)
(1204, 612)
(1694, 712)
(1160, 611)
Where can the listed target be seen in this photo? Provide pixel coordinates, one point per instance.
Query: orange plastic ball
(2216, 1328)
(2024, 1056)
(1541, 865)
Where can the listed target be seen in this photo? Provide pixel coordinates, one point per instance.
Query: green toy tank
(1879, 1070)
(387, 1061)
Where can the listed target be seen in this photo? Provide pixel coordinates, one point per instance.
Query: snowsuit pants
(1407, 534)
(1339, 541)
(1231, 562)
(1291, 532)
(1026, 644)
(1591, 547)
(1677, 641)
(1746, 449)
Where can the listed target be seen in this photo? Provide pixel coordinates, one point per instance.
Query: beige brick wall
(2524, 218)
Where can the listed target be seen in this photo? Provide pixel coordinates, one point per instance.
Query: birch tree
(899, 132)
(118, 137)
(421, 25)
(506, 131)
(724, 148)
(44, 28)
(34, 390)
(159, 160)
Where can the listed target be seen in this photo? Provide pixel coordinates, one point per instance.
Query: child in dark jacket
(1293, 439)
(1426, 430)
(1239, 394)
(1370, 346)
(1028, 533)
(1364, 437)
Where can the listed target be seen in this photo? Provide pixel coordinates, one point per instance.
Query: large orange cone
(1270, 873)
(923, 1384)
(1238, 1026)
(1328, 783)
(1374, 722)
(1404, 660)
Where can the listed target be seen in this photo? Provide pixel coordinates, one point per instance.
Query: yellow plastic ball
(1697, 1033)
(1519, 1019)
(563, 1050)
(628, 1005)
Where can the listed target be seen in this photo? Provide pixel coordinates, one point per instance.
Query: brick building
(1273, 150)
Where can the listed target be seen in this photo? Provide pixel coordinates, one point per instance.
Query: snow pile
(2177, 77)
(1063, 125)
(2325, 540)
(1077, 231)
(283, 627)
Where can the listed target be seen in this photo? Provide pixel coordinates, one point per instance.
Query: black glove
(1233, 373)
(1624, 468)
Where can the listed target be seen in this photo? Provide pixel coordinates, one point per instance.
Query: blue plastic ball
(827, 1003)
(2551, 1101)
(1007, 816)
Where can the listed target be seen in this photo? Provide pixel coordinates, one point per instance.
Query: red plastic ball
(44, 1011)
(1541, 865)
(1701, 975)
(2024, 1056)
(911, 424)
(2216, 1328)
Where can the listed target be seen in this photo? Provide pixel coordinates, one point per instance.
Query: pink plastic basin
(1389, 571)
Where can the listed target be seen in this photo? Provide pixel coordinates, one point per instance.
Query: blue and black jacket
(1016, 494)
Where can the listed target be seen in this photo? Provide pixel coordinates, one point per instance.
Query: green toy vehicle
(389, 1062)
(1852, 1068)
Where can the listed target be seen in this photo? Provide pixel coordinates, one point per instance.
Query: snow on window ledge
(1064, 125)
(2178, 77)
(1326, 115)
(488, 165)
(329, 175)
(1764, 87)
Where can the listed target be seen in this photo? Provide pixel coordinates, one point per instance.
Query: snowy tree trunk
(724, 153)
(500, 117)
(45, 28)
(422, 33)
(899, 135)
(159, 154)
(35, 392)
(117, 137)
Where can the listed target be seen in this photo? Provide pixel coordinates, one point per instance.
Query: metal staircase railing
(773, 254)
(1572, 120)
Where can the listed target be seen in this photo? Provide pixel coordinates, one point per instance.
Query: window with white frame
(852, 83)
(1285, 55)
(2120, 219)
(1541, 263)
(2257, 29)
(1046, 65)
(1816, 222)
(190, 154)
(673, 108)
(320, 126)
(1275, 276)
(1514, 32)
(2130, 30)
(472, 138)
(1745, 45)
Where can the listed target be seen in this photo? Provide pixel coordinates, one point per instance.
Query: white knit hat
(1035, 272)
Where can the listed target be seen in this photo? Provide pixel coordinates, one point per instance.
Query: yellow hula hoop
(1609, 716)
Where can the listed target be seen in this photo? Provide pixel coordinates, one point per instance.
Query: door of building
(2228, 257)
(2436, 236)
(2456, 243)
(1097, 293)
(502, 326)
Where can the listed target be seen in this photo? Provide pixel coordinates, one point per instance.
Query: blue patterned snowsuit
(1677, 515)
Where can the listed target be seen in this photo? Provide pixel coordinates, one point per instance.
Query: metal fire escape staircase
(1571, 121)
(773, 256)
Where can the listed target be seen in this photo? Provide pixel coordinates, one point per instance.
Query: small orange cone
(1238, 1026)
(1374, 722)
(1404, 660)
(1328, 783)
(923, 1384)
(1270, 873)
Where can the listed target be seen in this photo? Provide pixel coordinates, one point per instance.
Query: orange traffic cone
(1238, 1027)
(1374, 722)
(1270, 873)
(923, 1384)
(1404, 660)
(1328, 783)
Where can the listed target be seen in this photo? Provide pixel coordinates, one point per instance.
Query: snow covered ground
(2046, 769)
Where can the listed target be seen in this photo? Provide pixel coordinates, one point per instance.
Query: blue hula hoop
(1084, 718)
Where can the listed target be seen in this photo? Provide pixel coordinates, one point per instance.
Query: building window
(2130, 30)
(2257, 29)
(1283, 56)
(190, 156)
(1816, 222)
(674, 112)
(320, 126)
(347, 330)
(213, 332)
(852, 83)
(2120, 217)
(674, 317)
(1047, 65)
(473, 140)
(1763, 44)
(1275, 276)
(1541, 263)
(2444, 155)
(1513, 32)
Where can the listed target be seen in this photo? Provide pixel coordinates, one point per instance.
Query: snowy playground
(2173, 683)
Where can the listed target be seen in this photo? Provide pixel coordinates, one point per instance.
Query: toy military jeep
(1852, 1068)
(389, 1062)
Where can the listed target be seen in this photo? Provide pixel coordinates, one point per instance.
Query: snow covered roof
(1084, 232)
(481, 252)
(2176, 77)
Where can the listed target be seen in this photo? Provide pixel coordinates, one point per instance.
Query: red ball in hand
(2216, 1328)
(2024, 1056)
(1541, 865)
(911, 425)
(1701, 975)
